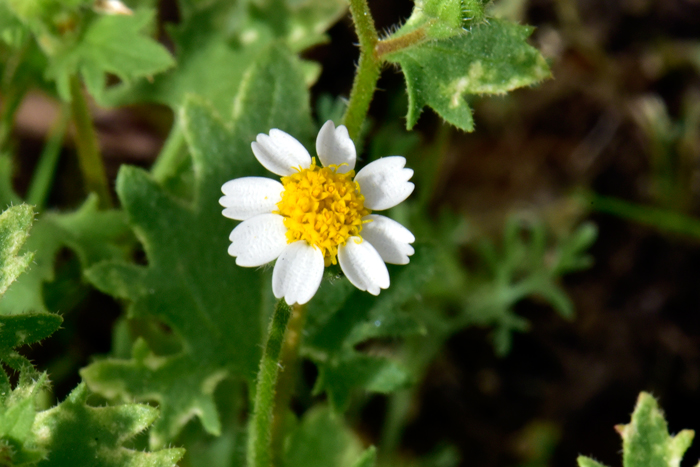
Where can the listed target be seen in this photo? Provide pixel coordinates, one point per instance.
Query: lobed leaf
(492, 57)
(20, 329)
(190, 283)
(111, 44)
(92, 234)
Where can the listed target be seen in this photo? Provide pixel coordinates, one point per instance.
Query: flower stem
(260, 425)
(89, 157)
(46, 168)
(285, 383)
(368, 69)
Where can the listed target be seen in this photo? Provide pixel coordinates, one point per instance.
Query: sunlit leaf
(75, 434)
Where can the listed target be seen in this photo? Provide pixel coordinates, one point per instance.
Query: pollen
(323, 207)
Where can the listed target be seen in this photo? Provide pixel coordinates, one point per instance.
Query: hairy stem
(43, 177)
(395, 44)
(285, 384)
(368, 69)
(89, 157)
(260, 425)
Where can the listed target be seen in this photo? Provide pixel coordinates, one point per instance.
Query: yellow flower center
(323, 207)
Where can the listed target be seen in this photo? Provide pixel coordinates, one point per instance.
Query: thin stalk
(260, 425)
(10, 104)
(171, 155)
(43, 177)
(89, 158)
(368, 69)
(13, 93)
(664, 220)
(285, 383)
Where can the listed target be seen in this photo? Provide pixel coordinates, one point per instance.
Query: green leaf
(206, 64)
(111, 44)
(323, 439)
(216, 43)
(14, 230)
(17, 412)
(92, 234)
(646, 441)
(492, 57)
(20, 329)
(341, 317)
(75, 434)
(190, 283)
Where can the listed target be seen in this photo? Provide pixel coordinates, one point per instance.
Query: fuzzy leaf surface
(14, 230)
(646, 441)
(492, 57)
(17, 412)
(340, 317)
(190, 283)
(440, 19)
(77, 435)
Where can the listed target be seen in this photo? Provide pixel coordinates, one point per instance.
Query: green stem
(46, 168)
(260, 425)
(89, 157)
(285, 384)
(368, 69)
(171, 155)
(662, 219)
(11, 102)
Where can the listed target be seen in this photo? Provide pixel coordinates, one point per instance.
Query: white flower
(111, 7)
(318, 213)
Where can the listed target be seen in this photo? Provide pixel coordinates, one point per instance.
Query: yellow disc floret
(323, 207)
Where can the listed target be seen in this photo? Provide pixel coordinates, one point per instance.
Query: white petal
(384, 182)
(363, 266)
(258, 240)
(298, 273)
(280, 153)
(334, 146)
(249, 196)
(389, 238)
